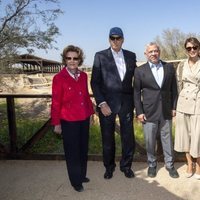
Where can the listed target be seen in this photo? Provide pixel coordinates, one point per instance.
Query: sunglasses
(190, 48)
(115, 38)
(72, 58)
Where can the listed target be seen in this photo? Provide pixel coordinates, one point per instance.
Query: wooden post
(12, 124)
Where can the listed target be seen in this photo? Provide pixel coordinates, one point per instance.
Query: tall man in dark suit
(112, 86)
(155, 97)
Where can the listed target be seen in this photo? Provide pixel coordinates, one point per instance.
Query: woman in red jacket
(70, 112)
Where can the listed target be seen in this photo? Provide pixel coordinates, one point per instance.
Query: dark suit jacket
(106, 83)
(148, 94)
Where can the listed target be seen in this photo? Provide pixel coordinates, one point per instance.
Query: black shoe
(128, 173)
(79, 188)
(86, 180)
(172, 172)
(152, 172)
(108, 174)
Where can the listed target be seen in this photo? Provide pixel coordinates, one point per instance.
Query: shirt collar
(152, 65)
(72, 74)
(117, 53)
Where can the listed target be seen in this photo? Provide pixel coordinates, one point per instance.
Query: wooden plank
(25, 96)
(28, 95)
(91, 157)
(36, 137)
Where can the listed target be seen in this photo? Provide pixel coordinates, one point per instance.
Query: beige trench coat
(189, 87)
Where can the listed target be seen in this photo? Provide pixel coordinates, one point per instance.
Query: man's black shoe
(79, 188)
(128, 173)
(86, 180)
(152, 172)
(172, 172)
(108, 174)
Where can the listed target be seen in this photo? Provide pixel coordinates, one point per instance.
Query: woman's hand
(57, 129)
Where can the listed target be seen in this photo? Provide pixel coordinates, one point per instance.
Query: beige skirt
(187, 134)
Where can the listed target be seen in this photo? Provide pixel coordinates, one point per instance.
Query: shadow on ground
(47, 180)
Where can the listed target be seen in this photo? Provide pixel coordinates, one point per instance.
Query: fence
(13, 152)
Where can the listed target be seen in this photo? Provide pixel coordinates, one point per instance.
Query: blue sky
(86, 23)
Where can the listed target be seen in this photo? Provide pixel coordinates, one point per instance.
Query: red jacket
(70, 98)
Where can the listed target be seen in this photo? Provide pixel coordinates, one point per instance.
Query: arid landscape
(29, 84)
(32, 84)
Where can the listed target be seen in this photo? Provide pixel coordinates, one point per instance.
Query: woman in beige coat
(187, 133)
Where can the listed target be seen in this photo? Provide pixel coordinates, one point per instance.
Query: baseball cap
(116, 31)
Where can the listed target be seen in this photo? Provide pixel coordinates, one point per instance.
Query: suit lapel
(165, 71)
(126, 62)
(125, 59)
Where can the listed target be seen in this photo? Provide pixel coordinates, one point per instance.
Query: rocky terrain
(28, 84)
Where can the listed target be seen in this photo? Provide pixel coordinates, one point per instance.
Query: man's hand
(105, 109)
(142, 118)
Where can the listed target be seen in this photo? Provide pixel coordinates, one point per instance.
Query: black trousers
(108, 138)
(75, 141)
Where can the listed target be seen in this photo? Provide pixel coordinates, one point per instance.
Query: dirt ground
(47, 180)
(34, 84)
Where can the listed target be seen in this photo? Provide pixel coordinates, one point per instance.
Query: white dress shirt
(119, 60)
(158, 73)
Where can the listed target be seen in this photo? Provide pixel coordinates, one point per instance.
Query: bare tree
(172, 43)
(27, 24)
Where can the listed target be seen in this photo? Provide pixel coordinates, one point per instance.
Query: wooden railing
(13, 152)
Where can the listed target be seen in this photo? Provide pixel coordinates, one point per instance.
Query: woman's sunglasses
(190, 48)
(72, 58)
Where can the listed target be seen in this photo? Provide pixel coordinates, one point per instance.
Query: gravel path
(47, 180)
